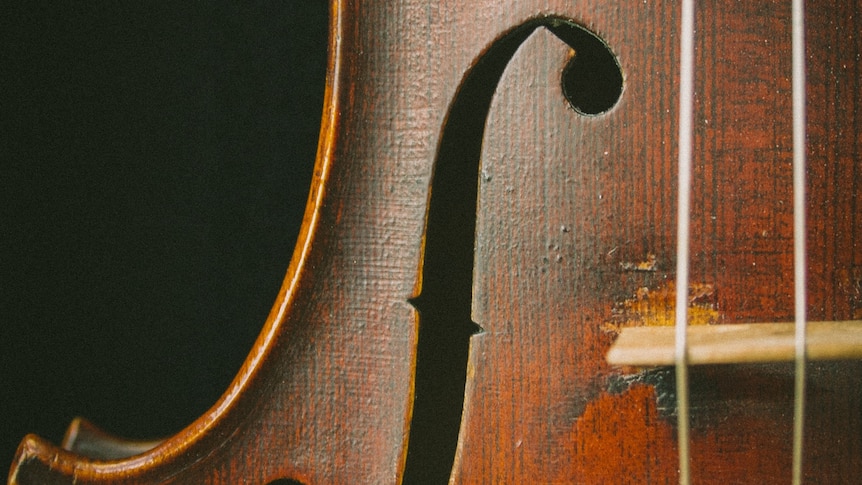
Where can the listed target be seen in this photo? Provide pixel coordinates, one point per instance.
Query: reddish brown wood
(574, 238)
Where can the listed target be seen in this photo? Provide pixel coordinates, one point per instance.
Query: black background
(154, 168)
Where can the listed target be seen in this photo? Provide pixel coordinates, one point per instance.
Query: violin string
(686, 106)
(799, 249)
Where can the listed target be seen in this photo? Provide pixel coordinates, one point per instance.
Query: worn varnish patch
(649, 440)
(655, 307)
(649, 264)
(648, 454)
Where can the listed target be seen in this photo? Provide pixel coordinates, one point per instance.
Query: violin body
(477, 235)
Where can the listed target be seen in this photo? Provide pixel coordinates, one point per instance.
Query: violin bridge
(737, 343)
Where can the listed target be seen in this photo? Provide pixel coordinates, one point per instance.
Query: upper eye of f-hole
(592, 80)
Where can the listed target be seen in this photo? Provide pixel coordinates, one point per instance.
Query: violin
(494, 204)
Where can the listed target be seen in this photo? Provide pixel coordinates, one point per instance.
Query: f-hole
(445, 299)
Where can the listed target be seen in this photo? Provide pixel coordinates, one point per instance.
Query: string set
(686, 109)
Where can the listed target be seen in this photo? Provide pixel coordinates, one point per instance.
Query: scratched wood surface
(572, 220)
